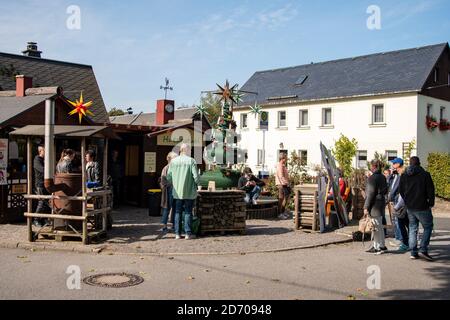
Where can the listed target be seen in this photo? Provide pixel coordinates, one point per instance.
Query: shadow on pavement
(439, 270)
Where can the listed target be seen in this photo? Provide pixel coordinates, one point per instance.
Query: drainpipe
(49, 166)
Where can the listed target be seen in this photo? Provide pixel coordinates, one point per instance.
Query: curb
(98, 250)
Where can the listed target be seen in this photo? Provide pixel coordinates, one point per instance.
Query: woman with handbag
(375, 205)
(284, 188)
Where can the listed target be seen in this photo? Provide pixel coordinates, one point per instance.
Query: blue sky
(133, 45)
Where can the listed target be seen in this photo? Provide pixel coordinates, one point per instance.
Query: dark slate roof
(148, 119)
(390, 72)
(13, 106)
(72, 77)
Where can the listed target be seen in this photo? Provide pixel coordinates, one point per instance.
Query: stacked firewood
(221, 211)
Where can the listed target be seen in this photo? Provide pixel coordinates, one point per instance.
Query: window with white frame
(244, 121)
(429, 110)
(391, 155)
(327, 117)
(303, 118)
(377, 113)
(303, 155)
(361, 159)
(282, 119)
(260, 157)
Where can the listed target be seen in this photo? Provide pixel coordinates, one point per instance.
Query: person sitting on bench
(251, 185)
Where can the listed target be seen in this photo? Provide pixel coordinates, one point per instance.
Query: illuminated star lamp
(80, 108)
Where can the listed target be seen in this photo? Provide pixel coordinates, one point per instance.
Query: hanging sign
(3, 161)
(172, 139)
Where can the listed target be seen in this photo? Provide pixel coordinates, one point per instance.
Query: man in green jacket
(183, 175)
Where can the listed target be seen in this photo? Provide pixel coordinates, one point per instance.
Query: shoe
(254, 202)
(403, 248)
(164, 230)
(287, 215)
(281, 217)
(373, 250)
(426, 256)
(177, 237)
(395, 243)
(384, 249)
(189, 237)
(414, 257)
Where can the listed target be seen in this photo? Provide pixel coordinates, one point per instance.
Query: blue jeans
(397, 231)
(170, 205)
(186, 207)
(426, 220)
(253, 195)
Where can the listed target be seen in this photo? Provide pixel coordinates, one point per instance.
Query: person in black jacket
(38, 168)
(375, 205)
(417, 190)
(251, 185)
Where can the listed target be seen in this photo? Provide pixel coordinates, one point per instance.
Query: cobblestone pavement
(135, 232)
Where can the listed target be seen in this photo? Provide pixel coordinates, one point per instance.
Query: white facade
(396, 119)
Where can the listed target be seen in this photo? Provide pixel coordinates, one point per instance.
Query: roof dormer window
(301, 80)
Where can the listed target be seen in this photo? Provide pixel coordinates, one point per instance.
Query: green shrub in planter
(439, 168)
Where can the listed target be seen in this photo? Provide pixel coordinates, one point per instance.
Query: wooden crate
(221, 211)
(306, 214)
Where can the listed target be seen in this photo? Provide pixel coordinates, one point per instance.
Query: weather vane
(166, 88)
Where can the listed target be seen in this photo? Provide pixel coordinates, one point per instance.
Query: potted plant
(431, 123)
(444, 125)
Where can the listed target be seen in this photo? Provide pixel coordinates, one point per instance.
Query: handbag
(366, 225)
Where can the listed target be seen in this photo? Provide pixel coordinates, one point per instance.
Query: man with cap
(401, 222)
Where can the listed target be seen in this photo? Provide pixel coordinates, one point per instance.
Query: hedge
(439, 168)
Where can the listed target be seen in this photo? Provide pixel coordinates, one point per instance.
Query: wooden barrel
(70, 184)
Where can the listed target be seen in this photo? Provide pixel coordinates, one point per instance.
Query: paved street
(333, 272)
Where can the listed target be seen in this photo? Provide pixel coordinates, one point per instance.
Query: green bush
(439, 168)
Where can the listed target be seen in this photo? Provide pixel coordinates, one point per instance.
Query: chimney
(23, 83)
(32, 50)
(165, 111)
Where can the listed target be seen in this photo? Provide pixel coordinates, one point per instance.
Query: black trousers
(403, 225)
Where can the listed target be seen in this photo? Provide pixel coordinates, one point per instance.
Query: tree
(382, 159)
(114, 112)
(213, 108)
(344, 151)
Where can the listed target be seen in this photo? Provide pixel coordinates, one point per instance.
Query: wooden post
(296, 212)
(29, 189)
(84, 191)
(315, 213)
(105, 178)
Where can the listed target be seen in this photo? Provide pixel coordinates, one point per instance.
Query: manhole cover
(113, 280)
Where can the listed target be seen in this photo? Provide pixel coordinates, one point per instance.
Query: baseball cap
(398, 161)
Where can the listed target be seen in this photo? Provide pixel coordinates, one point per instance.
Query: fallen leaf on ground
(350, 297)
(22, 257)
(276, 280)
(207, 270)
(142, 273)
(247, 282)
(142, 258)
(92, 270)
(171, 258)
(190, 278)
(133, 262)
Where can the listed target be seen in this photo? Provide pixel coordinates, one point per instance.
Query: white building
(381, 100)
